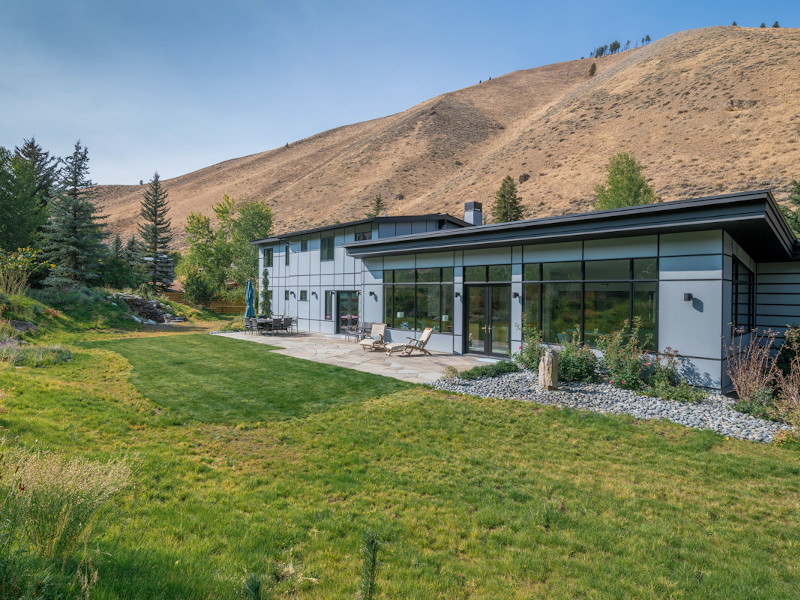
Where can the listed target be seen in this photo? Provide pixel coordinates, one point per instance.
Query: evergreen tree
(647, 39)
(776, 25)
(734, 24)
(21, 212)
(74, 234)
(763, 25)
(377, 208)
(625, 184)
(507, 204)
(265, 308)
(592, 69)
(156, 235)
(115, 249)
(46, 167)
(614, 47)
(792, 212)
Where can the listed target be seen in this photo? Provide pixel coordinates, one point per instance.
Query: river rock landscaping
(715, 413)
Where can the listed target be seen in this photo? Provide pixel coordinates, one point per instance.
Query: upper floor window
(268, 252)
(363, 233)
(326, 247)
(304, 244)
(286, 255)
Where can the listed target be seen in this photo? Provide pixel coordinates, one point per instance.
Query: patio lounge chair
(413, 344)
(375, 340)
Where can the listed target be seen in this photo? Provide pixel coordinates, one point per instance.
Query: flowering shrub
(17, 267)
(663, 379)
(624, 355)
(531, 350)
(575, 361)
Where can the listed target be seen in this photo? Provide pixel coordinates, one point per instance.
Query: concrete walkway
(335, 350)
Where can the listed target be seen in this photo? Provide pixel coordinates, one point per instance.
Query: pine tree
(792, 212)
(21, 212)
(115, 250)
(46, 167)
(647, 39)
(776, 25)
(507, 204)
(625, 184)
(763, 25)
(734, 24)
(75, 231)
(377, 208)
(156, 235)
(592, 69)
(614, 47)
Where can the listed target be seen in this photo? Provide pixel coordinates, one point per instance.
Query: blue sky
(175, 86)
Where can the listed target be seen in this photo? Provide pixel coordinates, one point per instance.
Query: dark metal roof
(398, 219)
(751, 218)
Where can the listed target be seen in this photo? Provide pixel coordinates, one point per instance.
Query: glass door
(488, 319)
(347, 305)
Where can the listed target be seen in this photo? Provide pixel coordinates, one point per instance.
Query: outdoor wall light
(688, 297)
(458, 294)
(292, 293)
(314, 294)
(515, 294)
(371, 293)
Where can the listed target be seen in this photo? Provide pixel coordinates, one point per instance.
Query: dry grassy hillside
(706, 111)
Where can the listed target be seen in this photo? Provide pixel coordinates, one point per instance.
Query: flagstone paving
(336, 350)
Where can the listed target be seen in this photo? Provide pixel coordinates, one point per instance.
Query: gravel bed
(715, 412)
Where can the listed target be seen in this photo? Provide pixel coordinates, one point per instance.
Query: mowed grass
(214, 379)
(473, 498)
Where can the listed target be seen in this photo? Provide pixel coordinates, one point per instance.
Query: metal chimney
(473, 213)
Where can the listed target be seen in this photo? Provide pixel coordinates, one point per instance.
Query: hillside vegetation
(706, 111)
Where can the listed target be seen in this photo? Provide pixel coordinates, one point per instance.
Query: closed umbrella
(249, 296)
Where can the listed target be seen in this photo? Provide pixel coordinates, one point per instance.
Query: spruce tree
(776, 25)
(763, 25)
(46, 167)
(625, 184)
(734, 24)
(377, 208)
(21, 212)
(592, 69)
(507, 204)
(792, 212)
(156, 235)
(75, 231)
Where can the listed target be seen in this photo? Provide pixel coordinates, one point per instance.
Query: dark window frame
(446, 283)
(742, 277)
(327, 246)
(303, 295)
(540, 282)
(269, 256)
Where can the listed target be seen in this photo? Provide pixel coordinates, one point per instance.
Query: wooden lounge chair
(375, 340)
(413, 344)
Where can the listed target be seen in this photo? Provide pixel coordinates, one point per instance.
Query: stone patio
(336, 350)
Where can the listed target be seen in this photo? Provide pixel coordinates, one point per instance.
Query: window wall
(587, 299)
(419, 298)
(743, 298)
(326, 247)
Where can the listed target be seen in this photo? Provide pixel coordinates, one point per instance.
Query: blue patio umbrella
(249, 296)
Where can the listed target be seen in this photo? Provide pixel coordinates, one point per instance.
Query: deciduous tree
(625, 184)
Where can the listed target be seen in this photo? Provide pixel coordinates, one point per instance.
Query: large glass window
(419, 298)
(590, 298)
(268, 252)
(328, 305)
(304, 244)
(363, 233)
(326, 247)
(494, 273)
(743, 310)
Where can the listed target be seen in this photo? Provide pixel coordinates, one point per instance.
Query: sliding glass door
(347, 313)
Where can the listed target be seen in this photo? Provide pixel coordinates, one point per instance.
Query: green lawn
(249, 461)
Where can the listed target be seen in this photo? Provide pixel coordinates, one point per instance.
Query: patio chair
(286, 323)
(413, 344)
(248, 324)
(375, 340)
(264, 327)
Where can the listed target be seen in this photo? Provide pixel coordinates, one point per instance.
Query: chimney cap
(473, 206)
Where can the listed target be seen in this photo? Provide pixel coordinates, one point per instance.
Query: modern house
(694, 271)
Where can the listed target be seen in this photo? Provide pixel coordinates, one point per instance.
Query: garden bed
(715, 413)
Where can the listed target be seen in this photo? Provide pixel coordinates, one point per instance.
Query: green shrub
(531, 350)
(789, 349)
(489, 370)
(624, 355)
(663, 379)
(197, 289)
(35, 356)
(576, 362)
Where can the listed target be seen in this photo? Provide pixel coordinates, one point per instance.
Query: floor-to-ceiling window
(419, 298)
(587, 299)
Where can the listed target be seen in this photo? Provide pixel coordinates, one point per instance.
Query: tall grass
(47, 508)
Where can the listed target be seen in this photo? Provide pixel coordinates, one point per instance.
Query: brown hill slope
(706, 111)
